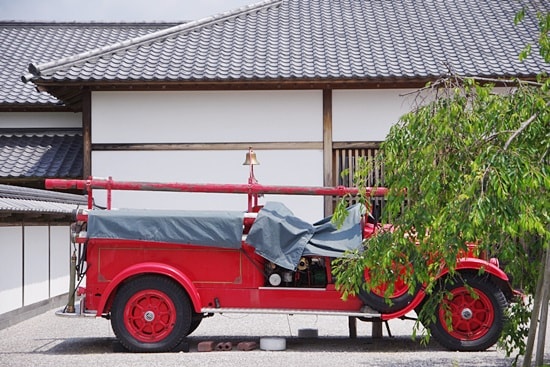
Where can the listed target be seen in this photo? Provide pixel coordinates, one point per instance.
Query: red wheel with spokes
(471, 315)
(400, 296)
(471, 318)
(151, 314)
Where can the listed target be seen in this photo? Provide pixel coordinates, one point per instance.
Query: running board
(370, 314)
(77, 311)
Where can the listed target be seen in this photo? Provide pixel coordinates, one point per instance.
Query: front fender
(150, 268)
(473, 263)
(468, 263)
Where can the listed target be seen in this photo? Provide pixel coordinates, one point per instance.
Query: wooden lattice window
(346, 157)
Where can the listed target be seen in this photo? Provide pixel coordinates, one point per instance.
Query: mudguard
(150, 268)
(473, 263)
(468, 263)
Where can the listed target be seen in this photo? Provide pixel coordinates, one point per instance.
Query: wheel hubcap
(467, 314)
(150, 316)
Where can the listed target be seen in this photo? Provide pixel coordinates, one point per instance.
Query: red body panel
(215, 277)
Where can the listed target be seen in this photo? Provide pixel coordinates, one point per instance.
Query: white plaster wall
(277, 167)
(11, 279)
(37, 255)
(206, 116)
(59, 260)
(36, 269)
(367, 115)
(40, 120)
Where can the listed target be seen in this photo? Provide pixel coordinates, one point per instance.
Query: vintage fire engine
(157, 273)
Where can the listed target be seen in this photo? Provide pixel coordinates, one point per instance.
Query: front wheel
(151, 314)
(471, 315)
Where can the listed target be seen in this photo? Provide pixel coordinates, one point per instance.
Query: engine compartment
(311, 272)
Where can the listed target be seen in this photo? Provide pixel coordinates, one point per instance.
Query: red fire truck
(157, 273)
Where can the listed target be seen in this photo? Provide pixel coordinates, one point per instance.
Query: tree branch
(523, 126)
(494, 135)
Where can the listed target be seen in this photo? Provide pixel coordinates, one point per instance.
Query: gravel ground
(48, 340)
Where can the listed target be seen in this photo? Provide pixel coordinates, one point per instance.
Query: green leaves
(470, 166)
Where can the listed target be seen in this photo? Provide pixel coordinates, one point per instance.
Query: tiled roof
(15, 199)
(40, 154)
(21, 43)
(319, 40)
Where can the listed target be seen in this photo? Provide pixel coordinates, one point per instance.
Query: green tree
(470, 164)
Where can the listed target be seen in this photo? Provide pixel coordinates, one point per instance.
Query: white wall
(19, 120)
(231, 117)
(367, 115)
(207, 116)
(59, 260)
(11, 277)
(35, 264)
(277, 167)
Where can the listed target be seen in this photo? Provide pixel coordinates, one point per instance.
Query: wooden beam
(208, 146)
(327, 148)
(65, 91)
(356, 145)
(87, 133)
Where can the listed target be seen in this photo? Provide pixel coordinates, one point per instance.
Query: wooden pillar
(377, 329)
(327, 147)
(352, 326)
(87, 133)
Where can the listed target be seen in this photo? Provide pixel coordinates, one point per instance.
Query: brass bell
(250, 159)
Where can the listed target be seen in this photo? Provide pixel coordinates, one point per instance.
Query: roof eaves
(36, 71)
(25, 193)
(36, 107)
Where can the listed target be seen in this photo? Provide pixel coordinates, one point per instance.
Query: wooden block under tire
(206, 346)
(246, 346)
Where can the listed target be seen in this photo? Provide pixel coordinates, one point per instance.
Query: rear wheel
(471, 317)
(400, 297)
(151, 314)
(195, 322)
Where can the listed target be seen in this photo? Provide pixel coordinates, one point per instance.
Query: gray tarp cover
(276, 234)
(282, 238)
(208, 228)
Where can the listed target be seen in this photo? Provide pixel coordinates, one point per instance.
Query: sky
(115, 10)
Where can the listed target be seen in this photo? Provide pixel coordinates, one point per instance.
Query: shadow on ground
(402, 344)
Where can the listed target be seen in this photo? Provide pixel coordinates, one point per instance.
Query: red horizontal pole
(209, 187)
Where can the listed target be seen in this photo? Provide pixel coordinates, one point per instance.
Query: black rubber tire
(479, 322)
(379, 303)
(175, 322)
(195, 322)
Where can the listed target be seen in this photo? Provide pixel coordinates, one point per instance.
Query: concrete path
(47, 340)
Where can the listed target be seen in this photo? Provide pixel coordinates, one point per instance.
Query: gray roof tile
(14, 199)
(40, 154)
(41, 42)
(312, 39)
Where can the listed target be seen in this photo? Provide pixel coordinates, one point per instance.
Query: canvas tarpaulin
(207, 228)
(282, 238)
(277, 234)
